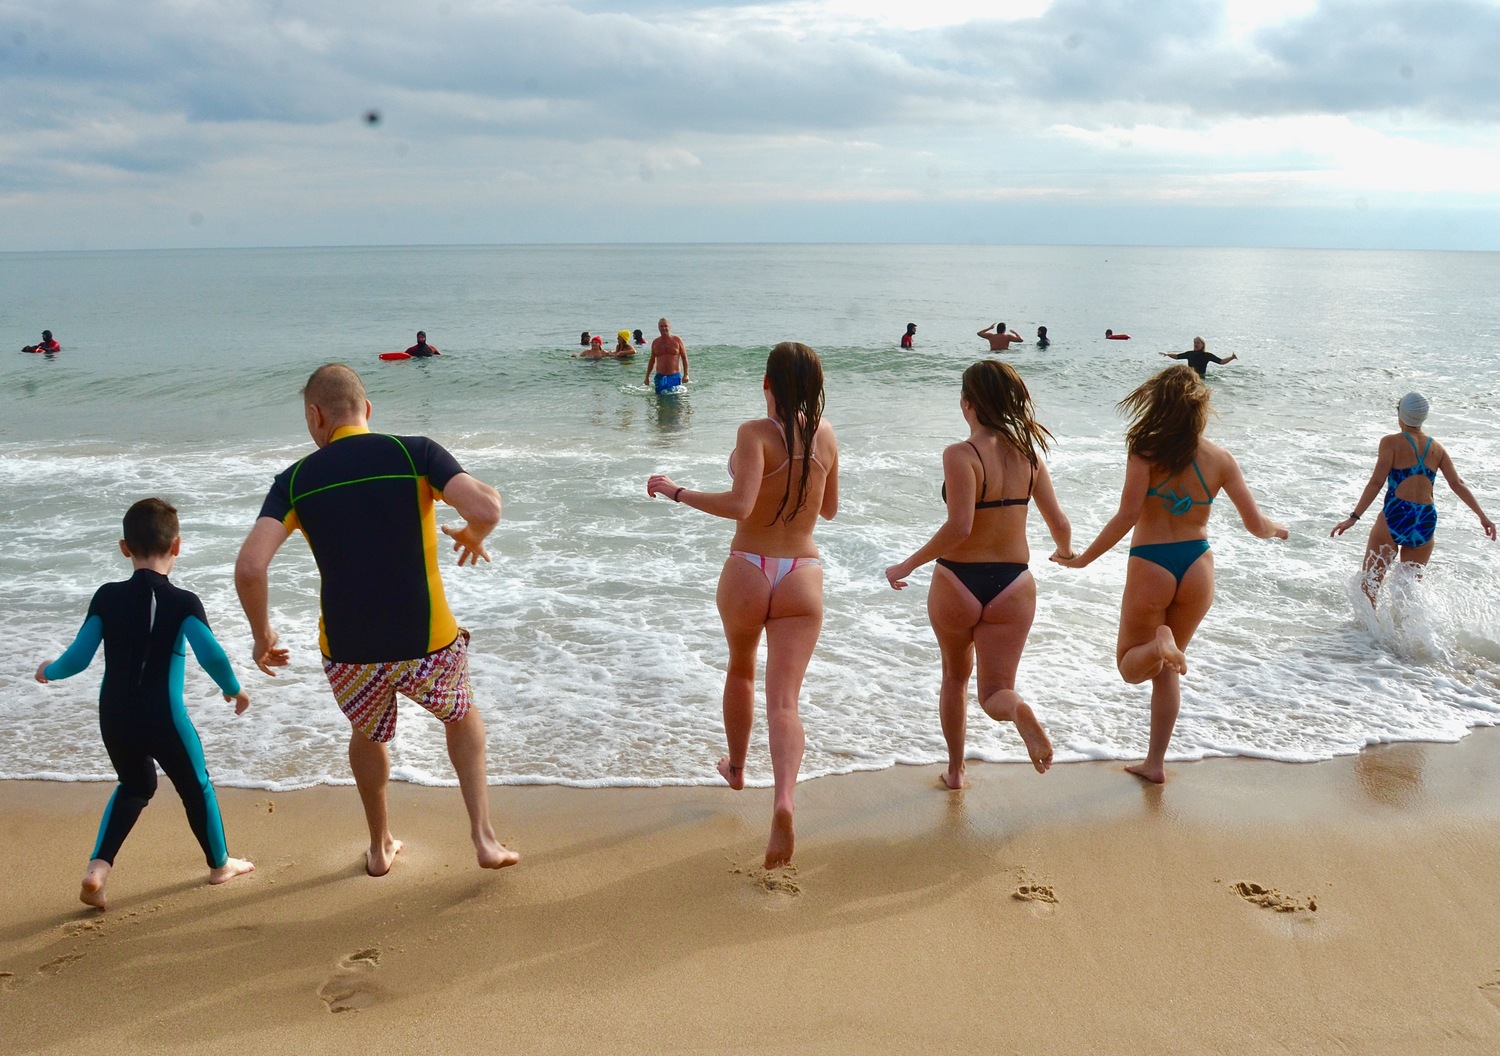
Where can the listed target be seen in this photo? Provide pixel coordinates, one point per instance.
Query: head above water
(639, 337)
(583, 339)
(421, 337)
(150, 528)
(1199, 345)
(1000, 401)
(1413, 410)
(1041, 331)
(794, 378)
(911, 328)
(1170, 411)
(46, 335)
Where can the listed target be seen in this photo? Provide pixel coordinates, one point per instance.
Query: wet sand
(1351, 906)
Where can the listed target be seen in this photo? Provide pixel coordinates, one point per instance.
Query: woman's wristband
(1354, 516)
(677, 497)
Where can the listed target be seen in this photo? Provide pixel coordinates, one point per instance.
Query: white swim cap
(1413, 409)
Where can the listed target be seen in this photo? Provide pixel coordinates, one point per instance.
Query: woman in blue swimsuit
(1171, 477)
(1408, 463)
(983, 598)
(785, 469)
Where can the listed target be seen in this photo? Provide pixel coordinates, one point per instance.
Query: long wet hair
(795, 376)
(1170, 411)
(1001, 402)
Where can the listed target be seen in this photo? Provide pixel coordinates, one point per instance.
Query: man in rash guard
(364, 501)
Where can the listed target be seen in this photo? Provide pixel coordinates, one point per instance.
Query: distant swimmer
(421, 350)
(911, 332)
(623, 347)
(669, 359)
(638, 337)
(584, 339)
(47, 345)
(1000, 339)
(1110, 335)
(1041, 337)
(1199, 358)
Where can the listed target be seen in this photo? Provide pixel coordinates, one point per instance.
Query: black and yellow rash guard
(365, 504)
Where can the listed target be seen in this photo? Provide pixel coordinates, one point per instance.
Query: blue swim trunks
(667, 382)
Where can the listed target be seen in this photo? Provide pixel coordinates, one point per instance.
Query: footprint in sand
(350, 989)
(1029, 890)
(80, 927)
(1270, 898)
(781, 881)
(8, 981)
(1490, 990)
(56, 965)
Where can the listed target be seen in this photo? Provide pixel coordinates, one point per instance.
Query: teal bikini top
(1176, 504)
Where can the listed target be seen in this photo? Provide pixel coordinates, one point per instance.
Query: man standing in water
(669, 359)
(1000, 339)
(365, 503)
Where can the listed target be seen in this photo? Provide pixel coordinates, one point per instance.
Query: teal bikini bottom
(1176, 558)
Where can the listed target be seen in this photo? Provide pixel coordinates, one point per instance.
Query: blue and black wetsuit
(146, 625)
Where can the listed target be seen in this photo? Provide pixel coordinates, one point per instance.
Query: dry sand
(1351, 906)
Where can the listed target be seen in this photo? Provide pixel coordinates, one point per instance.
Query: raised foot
(734, 776)
(232, 868)
(779, 847)
(1166, 647)
(492, 853)
(378, 861)
(953, 782)
(1038, 744)
(1157, 775)
(91, 891)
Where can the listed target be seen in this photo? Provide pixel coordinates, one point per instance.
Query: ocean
(597, 653)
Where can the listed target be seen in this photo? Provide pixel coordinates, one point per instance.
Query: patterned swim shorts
(438, 681)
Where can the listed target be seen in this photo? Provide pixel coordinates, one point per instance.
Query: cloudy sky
(165, 123)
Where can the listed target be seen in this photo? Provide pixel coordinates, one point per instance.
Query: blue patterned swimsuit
(1410, 523)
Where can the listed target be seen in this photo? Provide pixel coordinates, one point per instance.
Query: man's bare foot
(91, 892)
(379, 863)
(734, 776)
(779, 847)
(231, 868)
(492, 853)
(953, 782)
(1157, 775)
(1038, 744)
(1166, 648)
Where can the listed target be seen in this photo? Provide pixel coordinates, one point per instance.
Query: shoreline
(1080, 911)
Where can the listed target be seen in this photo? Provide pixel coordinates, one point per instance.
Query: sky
(205, 123)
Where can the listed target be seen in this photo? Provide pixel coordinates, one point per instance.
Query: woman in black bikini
(982, 597)
(785, 470)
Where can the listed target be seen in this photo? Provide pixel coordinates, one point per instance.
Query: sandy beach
(1349, 906)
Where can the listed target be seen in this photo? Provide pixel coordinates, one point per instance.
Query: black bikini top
(984, 486)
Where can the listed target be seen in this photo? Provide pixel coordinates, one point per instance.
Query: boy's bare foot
(379, 863)
(1166, 648)
(1157, 775)
(231, 868)
(734, 776)
(91, 892)
(1038, 744)
(492, 853)
(779, 847)
(953, 782)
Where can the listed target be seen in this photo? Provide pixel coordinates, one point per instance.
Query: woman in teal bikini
(785, 469)
(983, 599)
(1408, 463)
(1171, 477)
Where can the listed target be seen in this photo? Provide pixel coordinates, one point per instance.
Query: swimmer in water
(1041, 337)
(1408, 463)
(1000, 339)
(1200, 357)
(785, 470)
(911, 333)
(623, 348)
(669, 360)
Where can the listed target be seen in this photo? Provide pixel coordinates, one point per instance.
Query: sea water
(597, 653)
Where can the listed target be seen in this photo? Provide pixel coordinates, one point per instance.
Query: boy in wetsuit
(145, 624)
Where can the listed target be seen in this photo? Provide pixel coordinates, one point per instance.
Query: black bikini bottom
(984, 579)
